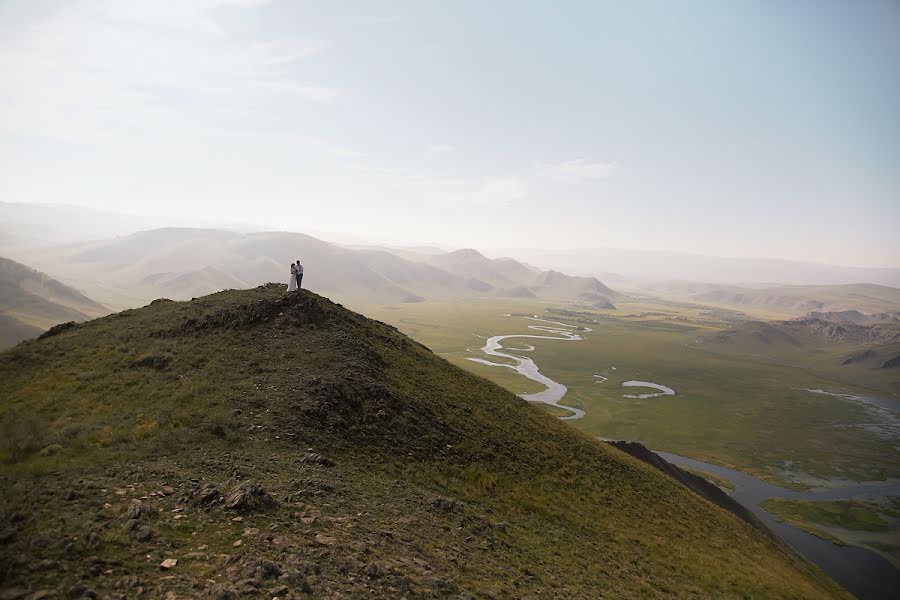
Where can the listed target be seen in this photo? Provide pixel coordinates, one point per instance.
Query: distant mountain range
(31, 301)
(639, 266)
(798, 299)
(181, 263)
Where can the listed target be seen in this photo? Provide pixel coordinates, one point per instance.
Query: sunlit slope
(423, 481)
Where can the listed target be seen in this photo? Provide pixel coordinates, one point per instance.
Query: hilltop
(258, 443)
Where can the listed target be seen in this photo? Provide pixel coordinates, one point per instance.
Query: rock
(237, 543)
(80, 590)
(131, 525)
(313, 458)
(138, 510)
(130, 583)
(324, 540)
(221, 592)
(247, 586)
(209, 494)
(168, 563)
(91, 539)
(373, 571)
(249, 497)
(445, 505)
(51, 450)
(266, 569)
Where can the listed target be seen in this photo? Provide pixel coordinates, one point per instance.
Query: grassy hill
(31, 301)
(377, 470)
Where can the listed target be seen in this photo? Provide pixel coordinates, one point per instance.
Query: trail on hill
(527, 367)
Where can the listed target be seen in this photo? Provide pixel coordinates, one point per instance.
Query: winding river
(527, 367)
(866, 574)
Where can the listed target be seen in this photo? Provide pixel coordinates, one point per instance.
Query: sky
(743, 128)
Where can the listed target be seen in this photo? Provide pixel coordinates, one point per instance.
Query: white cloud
(577, 170)
(102, 68)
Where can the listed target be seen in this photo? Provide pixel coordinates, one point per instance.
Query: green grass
(719, 481)
(735, 409)
(444, 484)
(871, 523)
(847, 514)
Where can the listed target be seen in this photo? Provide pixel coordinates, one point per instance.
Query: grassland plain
(380, 471)
(739, 410)
(872, 523)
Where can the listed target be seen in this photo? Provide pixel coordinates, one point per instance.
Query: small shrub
(23, 433)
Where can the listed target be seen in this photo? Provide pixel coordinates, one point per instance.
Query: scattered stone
(130, 583)
(445, 505)
(237, 543)
(238, 519)
(249, 497)
(138, 510)
(324, 540)
(168, 563)
(209, 494)
(266, 569)
(314, 458)
(373, 571)
(251, 531)
(80, 590)
(221, 592)
(143, 534)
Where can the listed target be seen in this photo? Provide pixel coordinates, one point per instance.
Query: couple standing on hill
(296, 276)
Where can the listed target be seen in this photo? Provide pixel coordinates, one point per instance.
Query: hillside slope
(377, 469)
(31, 301)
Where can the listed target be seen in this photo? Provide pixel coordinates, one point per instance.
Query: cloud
(577, 170)
(440, 149)
(108, 68)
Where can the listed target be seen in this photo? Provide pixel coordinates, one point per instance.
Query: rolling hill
(182, 263)
(795, 299)
(269, 444)
(510, 278)
(31, 302)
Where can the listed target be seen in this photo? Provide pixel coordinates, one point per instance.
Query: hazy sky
(730, 128)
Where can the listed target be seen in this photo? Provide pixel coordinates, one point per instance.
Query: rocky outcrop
(248, 497)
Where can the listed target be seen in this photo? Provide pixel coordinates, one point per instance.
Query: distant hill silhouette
(31, 301)
(182, 263)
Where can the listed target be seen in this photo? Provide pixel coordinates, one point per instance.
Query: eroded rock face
(249, 497)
